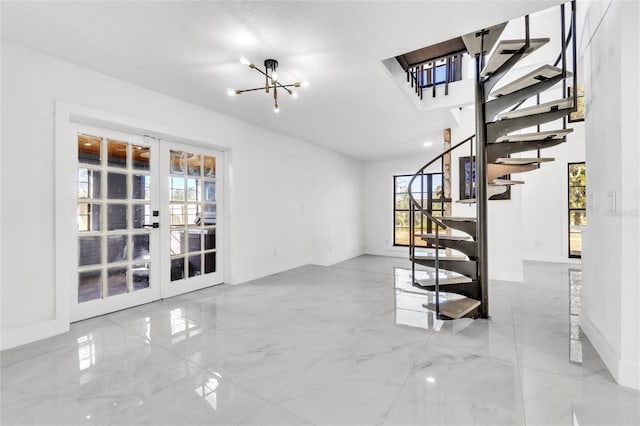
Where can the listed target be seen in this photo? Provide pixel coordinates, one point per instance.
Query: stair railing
(418, 79)
(417, 207)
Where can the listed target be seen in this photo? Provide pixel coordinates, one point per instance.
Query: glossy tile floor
(321, 345)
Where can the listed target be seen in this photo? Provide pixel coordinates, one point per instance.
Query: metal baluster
(437, 265)
(563, 54)
(433, 77)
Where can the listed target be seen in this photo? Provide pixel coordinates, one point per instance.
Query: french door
(190, 243)
(147, 220)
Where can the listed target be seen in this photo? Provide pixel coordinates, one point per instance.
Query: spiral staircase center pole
(481, 190)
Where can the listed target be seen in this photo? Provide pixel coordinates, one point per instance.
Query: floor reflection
(409, 300)
(575, 307)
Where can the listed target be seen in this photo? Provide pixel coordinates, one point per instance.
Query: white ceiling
(190, 50)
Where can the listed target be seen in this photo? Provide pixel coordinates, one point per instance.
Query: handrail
(415, 206)
(422, 169)
(557, 61)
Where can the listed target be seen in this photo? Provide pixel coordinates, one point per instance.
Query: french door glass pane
(141, 215)
(116, 248)
(88, 183)
(116, 281)
(209, 191)
(209, 166)
(194, 240)
(210, 238)
(140, 250)
(90, 252)
(140, 157)
(177, 242)
(194, 265)
(116, 186)
(177, 269)
(194, 165)
(141, 187)
(209, 262)
(177, 162)
(140, 276)
(116, 217)
(117, 154)
(89, 217)
(193, 190)
(89, 149)
(89, 285)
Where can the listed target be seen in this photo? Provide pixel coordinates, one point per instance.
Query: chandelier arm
(249, 90)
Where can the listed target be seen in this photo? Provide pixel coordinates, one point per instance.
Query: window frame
(571, 210)
(425, 225)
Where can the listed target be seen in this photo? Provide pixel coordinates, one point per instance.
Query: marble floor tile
(270, 414)
(355, 382)
(458, 388)
(348, 344)
(557, 399)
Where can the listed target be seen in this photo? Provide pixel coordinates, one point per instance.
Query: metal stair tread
(483, 40)
(446, 237)
(495, 171)
(542, 73)
(507, 48)
(455, 258)
(427, 282)
(536, 136)
(455, 308)
(499, 182)
(558, 104)
(458, 219)
(523, 161)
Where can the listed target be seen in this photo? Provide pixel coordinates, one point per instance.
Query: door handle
(153, 225)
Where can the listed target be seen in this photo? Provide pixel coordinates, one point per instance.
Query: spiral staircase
(457, 246)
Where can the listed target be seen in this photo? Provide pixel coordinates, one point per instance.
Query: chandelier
(271, 83)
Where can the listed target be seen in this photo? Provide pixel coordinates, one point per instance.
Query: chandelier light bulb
(293, 94)
(276, 109)
(244, 61)
(305, 84)
(274, 76)
(232, 92)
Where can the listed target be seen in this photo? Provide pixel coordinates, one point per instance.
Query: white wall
(291, 203)
(610, 295)
(545, 204)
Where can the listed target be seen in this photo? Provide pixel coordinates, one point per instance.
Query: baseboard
(568, 260)
(607, 354)
(31, 333)
(400, 252)
(629, 374)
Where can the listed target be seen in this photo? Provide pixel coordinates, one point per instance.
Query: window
(429, 191)
(436, 72)
(577, 195)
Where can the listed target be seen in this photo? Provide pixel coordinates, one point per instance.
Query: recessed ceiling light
(427, 144)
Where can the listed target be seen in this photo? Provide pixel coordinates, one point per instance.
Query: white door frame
(67, 115)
